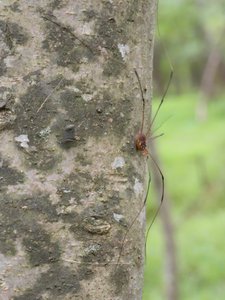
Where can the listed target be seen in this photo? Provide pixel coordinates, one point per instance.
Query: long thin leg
(66, 29)
(46, 99)
(170, 78)
(134, 220)
(156, 136)
(161, 102)
(157, 128)
(161, 200)
(143, 99)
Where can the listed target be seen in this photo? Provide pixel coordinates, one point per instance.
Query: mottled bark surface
(71, 180)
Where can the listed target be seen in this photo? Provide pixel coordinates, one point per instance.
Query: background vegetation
(192, 150)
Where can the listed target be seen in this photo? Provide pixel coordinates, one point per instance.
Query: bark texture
(70, 107)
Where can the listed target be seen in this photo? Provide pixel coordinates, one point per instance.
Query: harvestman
(140, 141)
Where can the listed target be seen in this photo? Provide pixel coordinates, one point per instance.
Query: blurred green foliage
(189, 29)
(191, 151)
(193, 161)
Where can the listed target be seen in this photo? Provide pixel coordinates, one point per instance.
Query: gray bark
(70, 108)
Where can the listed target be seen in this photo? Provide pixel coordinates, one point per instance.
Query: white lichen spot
(119, 162)
(74, 89)
(10, 61)
(142, 217)
(118, 217)
(124, 50)
(45, 132)
(87, 97)
(138, 187)
(23, 140)
(92, 249)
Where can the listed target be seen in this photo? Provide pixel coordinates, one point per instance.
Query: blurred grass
(193, 160)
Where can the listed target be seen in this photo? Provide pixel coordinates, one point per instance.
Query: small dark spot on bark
(2, 104)
(68, 136)
(15, 7)
(100, 210)
(89, 15)
(99, 110)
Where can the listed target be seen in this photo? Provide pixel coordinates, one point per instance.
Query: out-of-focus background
(186, 245)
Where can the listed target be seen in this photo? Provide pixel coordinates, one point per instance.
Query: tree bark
(70, 108)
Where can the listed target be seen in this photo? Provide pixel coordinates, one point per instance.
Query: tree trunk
(207, 83)
(171, 274)
(70, 108)
(208, 80)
